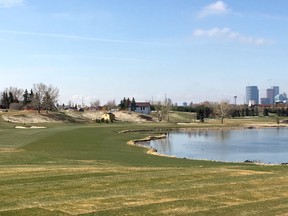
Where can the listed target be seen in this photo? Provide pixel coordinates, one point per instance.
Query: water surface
(268, 146)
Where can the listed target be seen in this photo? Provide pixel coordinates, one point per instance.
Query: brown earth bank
(33, 117)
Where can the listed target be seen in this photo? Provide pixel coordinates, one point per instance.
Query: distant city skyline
(109, 49)
(273, 96)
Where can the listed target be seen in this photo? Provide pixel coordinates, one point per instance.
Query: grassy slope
(90, 170)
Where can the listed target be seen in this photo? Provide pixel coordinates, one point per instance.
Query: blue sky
(190, 50)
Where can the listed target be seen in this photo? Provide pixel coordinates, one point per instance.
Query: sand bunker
(32, 127)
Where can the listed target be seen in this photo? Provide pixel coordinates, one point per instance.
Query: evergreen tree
(121, 104)
(283, 112)
(247, 112)
(47, 103)
(200, 115)
(31, 95)
(37, 102)
(11, 98)
(256, 111)
(128, 103)
(133, 104)
(26, 97)
(242, 112)
(278, 112)
(200, 110)
(124, 103)
(5, 100)
(252, 112)
(265, 112)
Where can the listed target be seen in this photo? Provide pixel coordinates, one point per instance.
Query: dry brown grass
(110, 177)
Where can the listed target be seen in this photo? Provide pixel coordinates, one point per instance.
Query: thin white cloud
(11, 3)
(226, 33)
(75, 37)
(217, 8)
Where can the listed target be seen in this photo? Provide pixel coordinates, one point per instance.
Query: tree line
(279, 111)
(224, 110)
(127, 104)
(45, 97)
(39, 97)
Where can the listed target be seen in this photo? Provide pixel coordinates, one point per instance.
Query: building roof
(142, 104)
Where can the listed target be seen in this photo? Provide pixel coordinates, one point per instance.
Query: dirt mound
(120, 116)
(132, 116)
(84, 116)
(28, 117)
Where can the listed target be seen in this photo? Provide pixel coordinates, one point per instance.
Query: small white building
(143, 107)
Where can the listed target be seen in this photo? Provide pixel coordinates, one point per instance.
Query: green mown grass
(90, 170)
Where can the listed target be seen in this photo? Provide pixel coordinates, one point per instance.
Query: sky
(188, 50)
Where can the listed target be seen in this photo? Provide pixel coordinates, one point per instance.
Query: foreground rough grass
(101, 189)
(90, 170)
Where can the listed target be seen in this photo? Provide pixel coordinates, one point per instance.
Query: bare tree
(95, 103)
(110, 105)
(44, 93)
(16, 92)
(158, 109)
(163, 109)
(223, 110)
(167, 107)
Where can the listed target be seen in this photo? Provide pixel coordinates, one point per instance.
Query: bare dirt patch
(132, 116)
(10, 150)
(32, 117)
(247, 172)
(27, 118)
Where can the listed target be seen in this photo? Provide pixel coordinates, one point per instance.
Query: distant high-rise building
(281, 98)
(276, 90)
(265, 101)
(271, 93)
(252, 95)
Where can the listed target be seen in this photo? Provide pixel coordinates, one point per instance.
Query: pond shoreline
(151, 150)
(247, 126)
(154, 151)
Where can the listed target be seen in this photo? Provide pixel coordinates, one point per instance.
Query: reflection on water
(263, 145)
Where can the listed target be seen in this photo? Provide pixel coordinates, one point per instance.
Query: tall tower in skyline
(271, 93)
(252, 95)
(276, 90)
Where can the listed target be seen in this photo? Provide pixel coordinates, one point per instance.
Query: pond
(269, 146)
